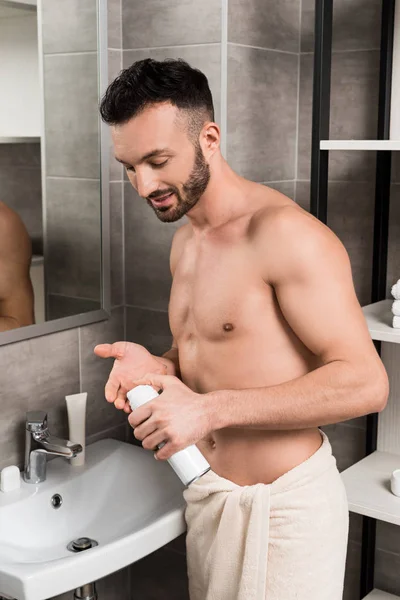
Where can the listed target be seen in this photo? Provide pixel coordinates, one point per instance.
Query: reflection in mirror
(50, 200)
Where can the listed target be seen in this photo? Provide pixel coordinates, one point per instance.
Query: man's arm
(312, 278)
(171, 360)
(16, 293)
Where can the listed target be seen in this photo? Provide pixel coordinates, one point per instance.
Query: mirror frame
(104, 313)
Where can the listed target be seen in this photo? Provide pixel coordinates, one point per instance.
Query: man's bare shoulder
(15, 244)
(179, 240)
(289, 238)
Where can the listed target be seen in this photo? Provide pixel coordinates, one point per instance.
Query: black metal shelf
(319, 195)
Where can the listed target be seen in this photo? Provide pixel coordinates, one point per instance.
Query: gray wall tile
(73, 253)
(69, 26)
(175, 23)
(59, 306)
(162, 574)
(396, 167)
(20, 155)
(114, 64)
(149, 328)
(23, 194)
(387, 537)
(72, 121)
(348, 444)
(350, 216)
(353, 570)
(147, 245)
(178, 544)
(354, 111)
(114, 23)
(356, 25)
(117, 241)
(387, 568)
(112, 587)
(114, 68)
(262, 109)
(205, 58)
(355, 527)
(115, 586)
(95, 371)
(393, 270)
(35, 374)
(285, 187)
(265, 23)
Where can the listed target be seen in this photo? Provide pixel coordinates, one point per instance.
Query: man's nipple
(228, 327)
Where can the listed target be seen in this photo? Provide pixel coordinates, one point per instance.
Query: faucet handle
(36, 421)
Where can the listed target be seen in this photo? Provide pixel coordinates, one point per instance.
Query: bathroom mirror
(54, 238)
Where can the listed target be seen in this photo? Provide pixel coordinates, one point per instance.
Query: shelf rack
(378, 595)
(19, 140)
(360, 145)
(367, 481)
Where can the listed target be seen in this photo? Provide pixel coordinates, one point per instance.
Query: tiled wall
(268, 65)
(262, 89)
(38, 373)
(21, 187)
(73, 249)
(354, 111)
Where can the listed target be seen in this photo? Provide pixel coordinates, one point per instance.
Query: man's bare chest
(219, 295)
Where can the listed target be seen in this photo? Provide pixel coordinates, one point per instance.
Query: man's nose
(145, 183)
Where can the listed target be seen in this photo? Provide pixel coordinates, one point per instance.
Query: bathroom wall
(72, 174)
(38, 373)
(21, 187)
(254, 70)
(354, 111)
(262, 81)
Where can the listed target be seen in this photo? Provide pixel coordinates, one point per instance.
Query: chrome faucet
(39, 444)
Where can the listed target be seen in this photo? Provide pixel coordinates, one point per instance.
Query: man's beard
(193, 189)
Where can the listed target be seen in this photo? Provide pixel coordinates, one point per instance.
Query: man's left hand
(179, 417)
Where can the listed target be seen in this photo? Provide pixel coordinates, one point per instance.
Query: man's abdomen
(247, 457)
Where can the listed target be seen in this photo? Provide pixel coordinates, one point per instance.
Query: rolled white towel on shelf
(396, 308)
(396, 322)
(396, 290)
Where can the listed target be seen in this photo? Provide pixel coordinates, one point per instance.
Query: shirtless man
(269, 340)
(16, 293)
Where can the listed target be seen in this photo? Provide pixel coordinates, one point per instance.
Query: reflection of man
(269, 343)
(16, 294)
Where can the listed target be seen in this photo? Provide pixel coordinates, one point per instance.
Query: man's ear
(210, 138)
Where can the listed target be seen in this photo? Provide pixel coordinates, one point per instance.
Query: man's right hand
(132, 362)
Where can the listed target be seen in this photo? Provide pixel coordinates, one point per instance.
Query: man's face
(162, 163)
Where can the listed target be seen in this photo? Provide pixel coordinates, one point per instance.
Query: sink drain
(81, 544)
(56, 501)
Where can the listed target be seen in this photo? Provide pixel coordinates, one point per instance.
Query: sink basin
(122, 498)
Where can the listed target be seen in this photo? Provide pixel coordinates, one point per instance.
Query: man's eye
(159, 165)
(129, 169)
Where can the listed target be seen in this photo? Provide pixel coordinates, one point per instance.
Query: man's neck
(225, 199)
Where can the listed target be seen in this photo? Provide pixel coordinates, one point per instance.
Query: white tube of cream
(76, 408)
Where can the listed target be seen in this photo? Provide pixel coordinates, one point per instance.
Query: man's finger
(156, 380)
(115, 350)
(111, 389)
(121, 399)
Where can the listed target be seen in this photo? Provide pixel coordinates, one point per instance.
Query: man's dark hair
(148, 82)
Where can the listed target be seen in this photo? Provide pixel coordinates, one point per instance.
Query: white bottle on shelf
(189, 464)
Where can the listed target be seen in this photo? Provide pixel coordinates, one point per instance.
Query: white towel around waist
(283, 541)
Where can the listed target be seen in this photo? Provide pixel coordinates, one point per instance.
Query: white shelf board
(19, 140)
(360, 144)
(378, 595)
(368, 487)
(379, 318)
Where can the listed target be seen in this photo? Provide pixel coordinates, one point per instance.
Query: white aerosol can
(189, 464)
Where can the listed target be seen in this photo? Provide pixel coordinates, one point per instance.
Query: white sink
(122, 498)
